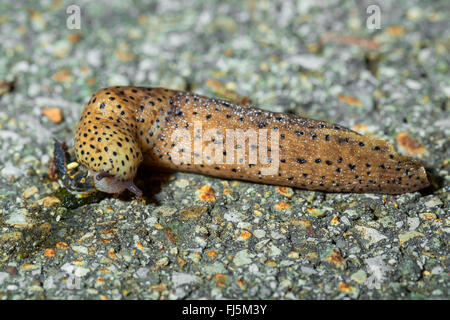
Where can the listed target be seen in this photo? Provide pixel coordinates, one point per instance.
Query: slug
(123, 127)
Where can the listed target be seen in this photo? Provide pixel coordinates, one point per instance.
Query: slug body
(122, 127)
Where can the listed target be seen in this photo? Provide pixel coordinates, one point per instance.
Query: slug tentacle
(122, 127)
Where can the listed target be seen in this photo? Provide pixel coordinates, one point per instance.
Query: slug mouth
(106, 182)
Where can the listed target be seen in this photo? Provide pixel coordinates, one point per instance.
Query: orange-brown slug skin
(123, 127)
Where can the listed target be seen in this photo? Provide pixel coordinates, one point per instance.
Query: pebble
(274, 251)
(162, 262)
(80, 249)
(53, 114)
(81, 271)
(50, 201)
(165, 211)
(433, 202)
(19, 218)
(61, 49)
(308, 270)
(215, 268)
(29, 192)
(180, 278)
(259, 233)
(193, 212)
(408, 235)
(413, 223)
(182, 183)
(307, 61)
(3, 276)
(232, 216)
(206, 193)
(142, 272)
(94, 58)
(11, 170)
(359, 276)
(370, 234)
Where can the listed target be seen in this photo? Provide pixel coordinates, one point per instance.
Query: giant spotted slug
(123, 127)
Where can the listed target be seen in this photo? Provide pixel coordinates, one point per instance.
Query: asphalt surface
(197, 237)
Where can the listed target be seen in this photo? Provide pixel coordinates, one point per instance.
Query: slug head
(105, 143)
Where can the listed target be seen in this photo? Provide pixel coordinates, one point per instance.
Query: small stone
(259, 233)
(29, 192)
(301, 222)
(80, 249)
(428, 216)
(11, 171)
(370, 234)
(50, 253)
(285, 191)
(215, 268)
(50, 201)
(242, 258)
(29, 266)
(274, 251)
(308, 270)
(81, 271)
(245, 235)
(405, 236)
(307, 61)
(336, 258)
(11, 236)
(182, 183)
(165, 211)
(94, 58)
(281, 206)
(437, 270)
(53, 114)
(350, 100)
(19, 218)
(61, 49)
(206, 193)
(116, 79)
(396, 30)
(410, 146)
(433, 202)
(413, 223)
(74, 37)
(64, 75)
(142, 272)
(193, 212)
(179, 278)
(201, 242)
(124, 55)
(3, 276)
(344, 287)
(62, 245)
(414, 13)
(359, 276)
(412, 84)
(261, 244)
(162, 262)
(316, 212)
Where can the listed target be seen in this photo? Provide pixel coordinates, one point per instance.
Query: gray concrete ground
(200, 237)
